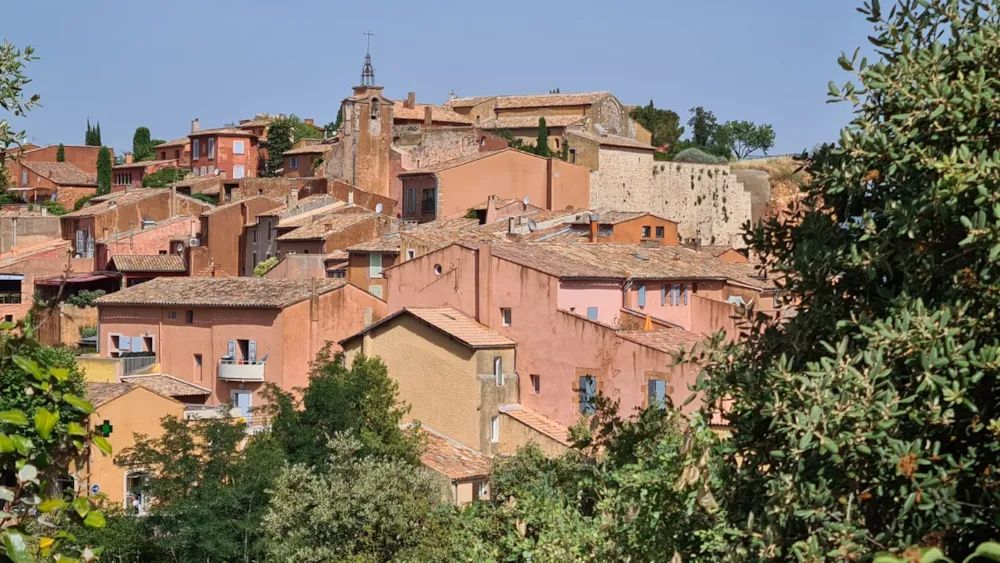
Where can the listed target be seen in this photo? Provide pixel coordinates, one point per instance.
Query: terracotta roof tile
(119, 199)
(615, 217)
(452, 322)
(385, 243)
(537, 421)
(612, 140)
(453, 163)
(669, 340)
(257, 293)
(147, 263)
(164, 223)
(440, 114)
(166, 385)
(144, 163)
(263, 199)
(323, 225)
(529, 121)
(62, 173)
(21, 253)
(451, 458)
(175, 143)
(224, 131)
(532, 100)
(313, 148)
(99, 393)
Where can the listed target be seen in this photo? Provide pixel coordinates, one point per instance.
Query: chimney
(128, 158)
(593, 226)
(310, 121)
(484, 284)
(411, 100)
(491, 210)
(350, 197)
(195, 125)
(428, 116)
(510, 226)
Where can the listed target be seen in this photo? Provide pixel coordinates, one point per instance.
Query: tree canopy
(61, 153)
(142, 145)
(663, 124)
(279, 140)
(93, 136)
(164, 177)
(103, 171)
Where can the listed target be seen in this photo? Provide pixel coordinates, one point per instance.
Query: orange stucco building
(227, 151)
(230, 335)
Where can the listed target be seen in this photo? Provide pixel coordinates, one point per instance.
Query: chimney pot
(593, 226)
(411, 100)
(128, 158)
(428, 115)
(195, 125)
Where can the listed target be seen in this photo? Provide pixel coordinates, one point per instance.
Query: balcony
(132, 364)
(241, 370)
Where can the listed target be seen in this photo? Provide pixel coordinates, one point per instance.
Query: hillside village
(502, 289)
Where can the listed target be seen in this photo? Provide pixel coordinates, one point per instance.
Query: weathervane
(367, 72)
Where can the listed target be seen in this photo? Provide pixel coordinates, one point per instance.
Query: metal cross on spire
(368, 72)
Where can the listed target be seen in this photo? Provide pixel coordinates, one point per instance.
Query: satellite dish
(532, 225)
(527, 199)
(378, 208)
(180, 247)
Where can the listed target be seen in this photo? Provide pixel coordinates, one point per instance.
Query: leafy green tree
(870, 421)
(156, 143)
(212, 488)
(264, 267)
(338, 122)
(93, 137)
(279, 140)
(142, 145)
(303, 130)
(97, 135)
(360, 509)
(54, 207)
(103, 171)
(61, 153)
(164, 177)
(663, 124)
(362, 400)
(744, 138)
(43, 430)
(13, 82)
(703, 126)
(542, 144)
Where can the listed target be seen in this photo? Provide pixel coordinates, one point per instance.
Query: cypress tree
(542, 145)
(103, 171)
(88, 139)
(61, 153)
(142, 144)
(97, 135)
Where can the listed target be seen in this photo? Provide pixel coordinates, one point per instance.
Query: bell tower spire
(367, 71)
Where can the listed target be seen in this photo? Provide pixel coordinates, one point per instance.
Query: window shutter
(651, 391)
(642, 296)
(686, 294)
(80, 249)
(672, 303)
(232, 349)
(137, 344)
(124, 343)
(253, 350)
(592, 313)
(374, 265)
(663, 295)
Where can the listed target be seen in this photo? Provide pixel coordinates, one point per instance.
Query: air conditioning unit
(194, 242)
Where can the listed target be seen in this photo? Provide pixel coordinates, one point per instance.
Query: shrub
(82, 201)
(84, 297)
(264, 267)
(698, 156)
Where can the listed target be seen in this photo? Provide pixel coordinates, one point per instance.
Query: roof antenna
(368, 72)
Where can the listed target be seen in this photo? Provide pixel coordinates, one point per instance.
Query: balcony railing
(133, 364)
(241, 370)
(10, 297)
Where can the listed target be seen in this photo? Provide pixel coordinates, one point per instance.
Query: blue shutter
(663, 295)
(592, 313)
(124, 343)
(137, 344)
(642, 296)
(253, 350)
(672, 296)
(685, 294)
(232, 349)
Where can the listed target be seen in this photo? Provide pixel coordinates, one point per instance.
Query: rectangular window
(642, 296)
(646, 232)
(657, 393)
(659, 232)
(293, 162)
(572, 156)
(189, 317)
(685, 290)
(411, 254)
(663, 295)
(675, 295)
(198, 372)
(211, 148)
(204, 171)
(536, 383)
(592, 313)
(238, 171)
(172, 315)
(254, 260)
(8, 318)
(505, 316)
(197, 360)
(374, 265)
(195, 146)
(429, 204)
(237, 147)
(255, 236)
(495, 429)
(588, 392)
(375, 290)
(24, 177)
(136, 499)
(498, 370)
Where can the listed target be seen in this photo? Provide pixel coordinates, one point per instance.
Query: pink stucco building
(230, 335)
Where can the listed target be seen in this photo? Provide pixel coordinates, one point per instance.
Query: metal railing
(136, 363)
(10, 297)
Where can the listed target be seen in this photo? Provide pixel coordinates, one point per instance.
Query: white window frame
(506, 316)
(411, 254)
(144, 502)
(242, 171)
(375, 266)
(495, 430)
(232, 397)
(498, 370)
(293, 162)
(238, 147)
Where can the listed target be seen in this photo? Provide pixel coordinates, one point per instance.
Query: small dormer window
(374, 107)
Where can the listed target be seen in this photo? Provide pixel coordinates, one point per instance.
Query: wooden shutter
(375, 265)
(253, 351)
(642, 296)
(232, 349)
(663, 295)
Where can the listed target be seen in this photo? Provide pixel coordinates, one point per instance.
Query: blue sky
(161, 64)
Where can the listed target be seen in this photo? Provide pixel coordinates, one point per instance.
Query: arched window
(375, 108)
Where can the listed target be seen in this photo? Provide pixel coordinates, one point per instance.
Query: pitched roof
(159, 225)
(441, 114)
(22, 253)
(62, 173)
(615, 217)
(613, 141)
(668, 340)
(144, 163)
(147, 263)
(326, 224)
(99, 393)
(385, 243)
(532, 100)
(451, 458)
(176, 142)
(240, 202)
(119, 199)
(225, 131)
(256, 293)
(537, 421)
(529, 121)
(448, 164)
(167, 385)
(452, 322)
(313, 148)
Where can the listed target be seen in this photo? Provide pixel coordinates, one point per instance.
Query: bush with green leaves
(84, 297)
(870, 421)
(264, 267)
(82, 202)
(698, 156)
(164, 177)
